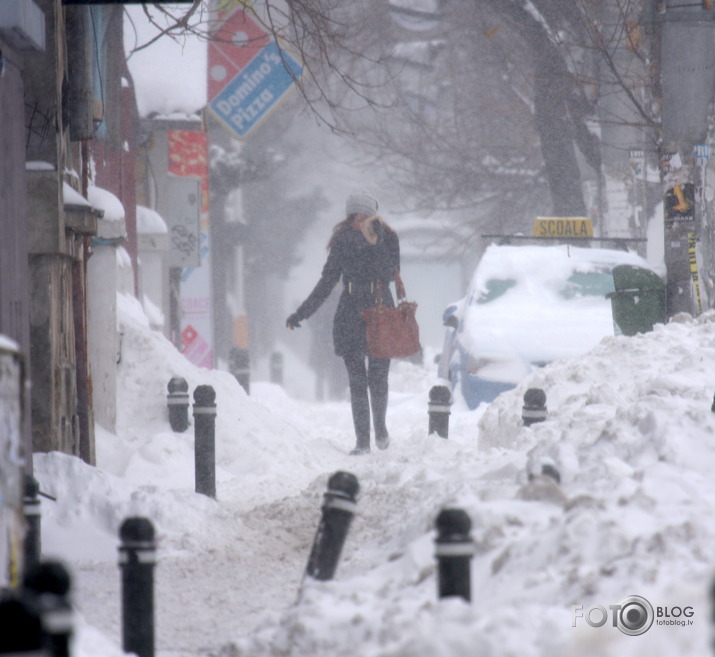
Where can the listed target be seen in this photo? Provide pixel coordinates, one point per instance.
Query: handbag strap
(399, 288)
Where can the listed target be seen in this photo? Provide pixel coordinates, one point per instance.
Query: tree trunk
(552, 89)
(557, 147)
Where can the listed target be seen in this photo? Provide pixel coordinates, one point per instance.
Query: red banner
(188, 156)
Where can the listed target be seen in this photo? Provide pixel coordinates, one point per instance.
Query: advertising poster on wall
(188, 156)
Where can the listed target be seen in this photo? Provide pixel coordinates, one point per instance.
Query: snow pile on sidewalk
(630, 430)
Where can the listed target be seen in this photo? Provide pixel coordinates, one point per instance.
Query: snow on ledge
(106, 201)
(150, 222)
(70, 196)
(39, 165)
(8, 343)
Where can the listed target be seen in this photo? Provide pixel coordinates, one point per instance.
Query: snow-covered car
(525, 307)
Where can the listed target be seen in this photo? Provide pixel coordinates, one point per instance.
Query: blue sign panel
(257, 89)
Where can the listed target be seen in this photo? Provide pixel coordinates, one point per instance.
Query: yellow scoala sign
(563, 227)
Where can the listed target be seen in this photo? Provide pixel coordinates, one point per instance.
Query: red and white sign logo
(239, 39)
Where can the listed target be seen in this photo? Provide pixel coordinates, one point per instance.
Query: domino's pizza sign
(257, 89)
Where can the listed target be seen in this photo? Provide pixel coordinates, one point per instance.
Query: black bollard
(712, 408)
(205, 440)
(338, 509)
(177, 402)
(534, 409)
(137, 557)
(440, 400)
(454, 549)
(549, 470)
(26, 636)
(277, 368)
(49, 585)
(33, 524)
(240, 367)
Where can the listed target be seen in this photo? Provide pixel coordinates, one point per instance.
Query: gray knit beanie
(361, 203)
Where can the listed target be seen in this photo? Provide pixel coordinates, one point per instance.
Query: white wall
(102, 340)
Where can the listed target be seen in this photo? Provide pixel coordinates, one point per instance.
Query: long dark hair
(346, 224)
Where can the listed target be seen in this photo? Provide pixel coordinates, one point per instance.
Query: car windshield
(592, 283)
(495, 288)
(579, 284)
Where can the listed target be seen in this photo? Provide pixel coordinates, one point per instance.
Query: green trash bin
(638, 302)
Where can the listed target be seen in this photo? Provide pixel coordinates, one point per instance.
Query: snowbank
(629, 428)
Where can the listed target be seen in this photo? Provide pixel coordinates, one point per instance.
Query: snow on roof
(169, 75)
(107, 202)
(150, 221)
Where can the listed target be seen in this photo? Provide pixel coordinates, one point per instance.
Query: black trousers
(368, 388)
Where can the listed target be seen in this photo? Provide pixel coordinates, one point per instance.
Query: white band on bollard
(142, 556)
(531, 413)
(204, 410)
(177, 399)
(454, 549)
(58, 621)
(439, 408)
(341, 503)
(138, 545)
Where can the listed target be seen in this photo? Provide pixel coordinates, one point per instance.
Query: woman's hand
(293, 321)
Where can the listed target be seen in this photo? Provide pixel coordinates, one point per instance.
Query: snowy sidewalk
(629, 428)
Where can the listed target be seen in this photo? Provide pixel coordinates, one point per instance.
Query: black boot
(361, 421)
(377, 379)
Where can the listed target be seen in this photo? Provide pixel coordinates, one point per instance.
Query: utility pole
(687, 79)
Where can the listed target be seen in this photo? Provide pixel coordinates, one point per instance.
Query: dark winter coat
(360, 265)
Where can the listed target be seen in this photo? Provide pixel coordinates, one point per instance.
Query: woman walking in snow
(363, 250)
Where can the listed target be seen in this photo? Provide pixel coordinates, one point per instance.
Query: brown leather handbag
(392, 332)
